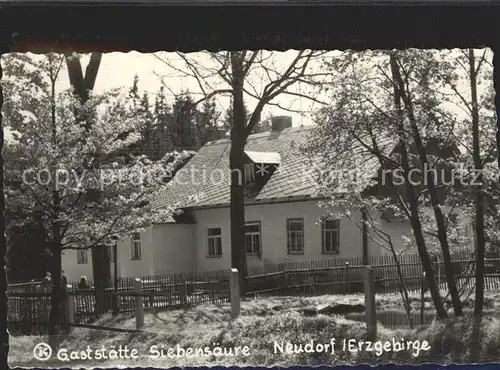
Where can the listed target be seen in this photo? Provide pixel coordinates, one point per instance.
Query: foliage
(264, 320)
(390, 117)
(27, 252)
(358, 134)
(262, 126)
(181, 125)
(54, 167)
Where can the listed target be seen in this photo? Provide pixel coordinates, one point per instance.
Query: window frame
(469, 230)
(134, 243)
(335, 230)
(213, 237)
(453, 218)
(253, 233)
(82, 252)
(249, 169)
(290, 220)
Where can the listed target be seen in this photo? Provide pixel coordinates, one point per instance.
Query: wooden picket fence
(27, 308)
(344, 276)
(29, 304)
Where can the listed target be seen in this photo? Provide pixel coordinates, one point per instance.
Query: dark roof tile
(206, 178)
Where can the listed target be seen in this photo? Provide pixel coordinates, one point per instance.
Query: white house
(282, 214)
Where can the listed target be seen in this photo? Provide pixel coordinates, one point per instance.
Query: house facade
(278, 232)
(283, 217)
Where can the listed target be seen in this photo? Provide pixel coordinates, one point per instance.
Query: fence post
(234, 291)
(115, 301)
(371, 314)
(348, 282)
(183, 293)
(115, 309)
(139, 307)
(70, 307)
(282, 281)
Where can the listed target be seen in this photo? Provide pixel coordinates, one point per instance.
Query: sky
(119, 69)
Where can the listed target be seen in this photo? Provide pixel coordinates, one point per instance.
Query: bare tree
(477, 102)
(473, 106)
(258, 76)
(371, 115)
(384, 241)
(402, 94)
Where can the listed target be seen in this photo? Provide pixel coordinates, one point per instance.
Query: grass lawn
(264, 321)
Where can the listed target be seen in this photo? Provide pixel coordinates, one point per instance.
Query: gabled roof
(353, 163)
(205, 180)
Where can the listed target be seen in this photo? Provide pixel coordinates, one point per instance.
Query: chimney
(280, 123)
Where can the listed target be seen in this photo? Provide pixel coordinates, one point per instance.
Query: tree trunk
(441, 230)
(431, 187)
(440, 222)
(116, 308)
(57, 295)
(403, 290)
(103, 270)
(236, 164)
(365, 235)
(425, 258)
(82, 85)
(413, 202)
(479, 204)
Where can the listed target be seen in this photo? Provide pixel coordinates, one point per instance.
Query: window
(82, 256)
(249, 174)
(469, 231)
(453, 218)
(214, 242)
(295, 235)
(136, 246)
(252, 238)
(330, 236)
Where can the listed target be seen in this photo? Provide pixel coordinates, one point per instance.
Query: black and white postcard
(256, 207)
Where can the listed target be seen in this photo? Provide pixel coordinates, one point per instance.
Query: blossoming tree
(53, 165)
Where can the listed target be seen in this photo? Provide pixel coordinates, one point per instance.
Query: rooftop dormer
(259, 166)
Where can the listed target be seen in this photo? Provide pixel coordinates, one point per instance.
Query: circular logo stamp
(42, 351)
